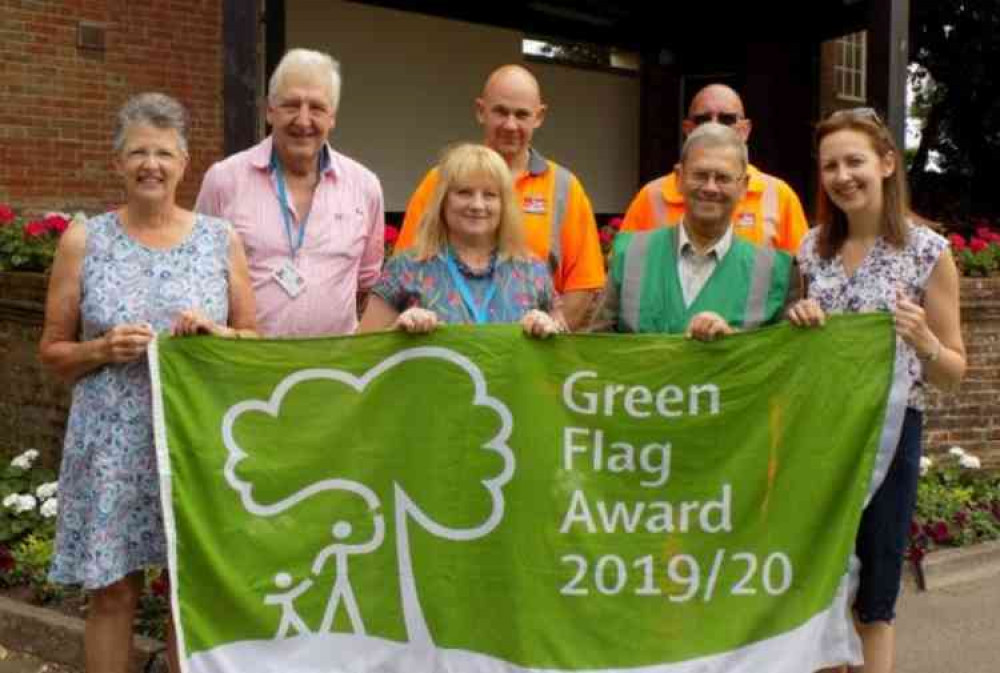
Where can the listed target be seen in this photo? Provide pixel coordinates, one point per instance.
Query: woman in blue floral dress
(470, 263)
(866, 256)
(117, 280)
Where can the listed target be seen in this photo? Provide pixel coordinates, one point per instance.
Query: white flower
(25, 460)
(956, 451)
(969, 462)
(24, 503)
(925, 464)
(9, 501)
(46, 491)
(49, 508)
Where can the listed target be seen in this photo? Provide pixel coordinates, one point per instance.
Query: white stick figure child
(289, 617)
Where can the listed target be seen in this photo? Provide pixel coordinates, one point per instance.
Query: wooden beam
(888, 58)
(239, 36)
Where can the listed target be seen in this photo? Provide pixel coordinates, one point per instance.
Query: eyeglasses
(868, 113)
(724, 118)
(722, 180)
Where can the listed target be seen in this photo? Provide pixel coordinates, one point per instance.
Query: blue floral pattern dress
(874, 284)
(521, 285)
(110, 520)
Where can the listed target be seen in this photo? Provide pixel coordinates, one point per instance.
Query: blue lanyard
(479, 311)
(286, 211)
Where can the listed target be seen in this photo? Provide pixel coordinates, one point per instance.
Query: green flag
(477, 500)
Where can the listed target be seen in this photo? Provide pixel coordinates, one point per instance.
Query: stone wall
(33, 405)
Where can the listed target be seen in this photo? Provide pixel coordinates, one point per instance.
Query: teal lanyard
(286, 211)
(479, 311)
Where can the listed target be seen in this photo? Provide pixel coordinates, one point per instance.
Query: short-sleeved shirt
(874, 284)
(750, 221)
(580, 260)
(522, 285)
(341, 251)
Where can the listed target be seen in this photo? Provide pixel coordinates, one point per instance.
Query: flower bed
(958, 504)
(28, 509)
(30, 244)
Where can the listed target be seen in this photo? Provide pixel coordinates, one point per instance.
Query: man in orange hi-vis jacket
(558, 220)
(770, 211)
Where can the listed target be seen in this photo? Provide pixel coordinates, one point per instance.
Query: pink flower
(616, 222)
(984, 233)
(957, 242)
(56, 223)
(35, 229)
(606, 235)
(391, 234)
(6, 214)
(978, 244)
(961, 518)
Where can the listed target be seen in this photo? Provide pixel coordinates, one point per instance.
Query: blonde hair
(459, 164)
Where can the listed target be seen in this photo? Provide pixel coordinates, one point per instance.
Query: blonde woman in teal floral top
(470, 264)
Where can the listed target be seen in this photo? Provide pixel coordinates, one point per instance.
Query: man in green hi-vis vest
(698, 278)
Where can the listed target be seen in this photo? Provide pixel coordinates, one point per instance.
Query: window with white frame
(849, 70)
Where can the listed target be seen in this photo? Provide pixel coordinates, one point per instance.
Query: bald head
(513, 78)
(509, 110)
(718, 103)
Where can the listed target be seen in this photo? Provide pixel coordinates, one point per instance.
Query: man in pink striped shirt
(311, 219)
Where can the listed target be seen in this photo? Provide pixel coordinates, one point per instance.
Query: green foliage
(955, 46)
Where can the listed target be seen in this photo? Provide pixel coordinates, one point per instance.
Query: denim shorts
(885, 528)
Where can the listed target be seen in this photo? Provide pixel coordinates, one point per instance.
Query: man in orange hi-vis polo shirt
(558, 220)
(770, 211)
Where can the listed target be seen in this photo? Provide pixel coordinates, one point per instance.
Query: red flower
(6, 214)
(915, 553)
(984, 233)
(606, 235)
(391, 234)
(977, 244)
(35, 229)
(957, 242)
(616, 222)
(7, 562)
(938, 531)
(961, 517)
(161, 585)
(56, 223)
(914, 528)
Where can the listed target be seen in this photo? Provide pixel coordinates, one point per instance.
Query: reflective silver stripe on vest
(635, 260)
(769, 209)
(560, 201)
(760, 284)
(658, 203)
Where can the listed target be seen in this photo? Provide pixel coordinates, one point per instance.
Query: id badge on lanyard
(286, 275)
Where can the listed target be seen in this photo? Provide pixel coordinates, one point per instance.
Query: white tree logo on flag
(335, 557)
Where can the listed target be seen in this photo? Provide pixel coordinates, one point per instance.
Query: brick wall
(970, 417)
(33, 405)
(58, 101)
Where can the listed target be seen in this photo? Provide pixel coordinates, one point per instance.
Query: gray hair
(316, 63)
(154, 109)
(714, 134)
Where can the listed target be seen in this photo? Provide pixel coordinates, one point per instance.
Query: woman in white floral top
(866, 256)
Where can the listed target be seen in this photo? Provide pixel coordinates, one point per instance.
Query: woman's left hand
(911, 326)
(194, 322)
(540, 324)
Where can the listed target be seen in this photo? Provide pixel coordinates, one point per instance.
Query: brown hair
(459, 163)
(895, 196)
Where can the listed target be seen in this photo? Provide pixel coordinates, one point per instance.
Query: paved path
(950, 630)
